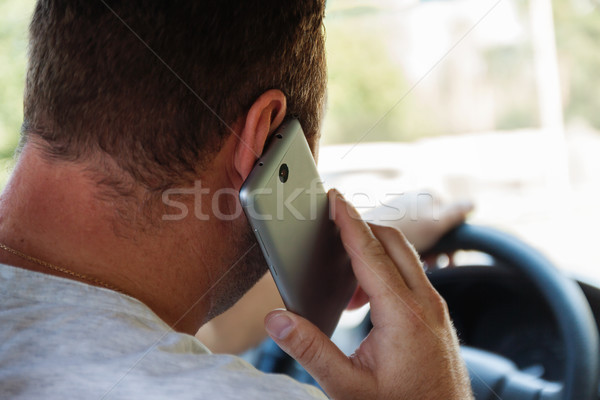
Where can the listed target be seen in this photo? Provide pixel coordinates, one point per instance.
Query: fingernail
(279, 326)
(337, 194)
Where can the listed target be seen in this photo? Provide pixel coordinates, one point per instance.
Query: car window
(490, 100)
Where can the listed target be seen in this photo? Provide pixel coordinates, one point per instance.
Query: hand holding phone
(287, 207)
(412, 352)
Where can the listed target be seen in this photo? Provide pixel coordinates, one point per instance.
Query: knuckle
(438, 305)
(374, 249)
(412, 312)
(417, 313)
(310, 350)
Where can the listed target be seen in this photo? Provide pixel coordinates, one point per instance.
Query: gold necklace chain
(60, 269)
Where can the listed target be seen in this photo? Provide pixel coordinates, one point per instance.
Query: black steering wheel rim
(564, 297)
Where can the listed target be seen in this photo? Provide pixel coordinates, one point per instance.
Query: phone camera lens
(284, 172)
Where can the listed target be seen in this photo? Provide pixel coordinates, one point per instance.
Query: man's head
(157, 85)
(152, 95)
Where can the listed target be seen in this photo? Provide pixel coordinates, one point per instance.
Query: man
(101, 296)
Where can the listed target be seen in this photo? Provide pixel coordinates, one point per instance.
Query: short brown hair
(93, 84)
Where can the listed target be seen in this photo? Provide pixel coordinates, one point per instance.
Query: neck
(53, 211)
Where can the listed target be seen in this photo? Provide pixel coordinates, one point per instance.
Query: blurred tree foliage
(577, 24)
(14, 17)
(367, 93)
(510, 69)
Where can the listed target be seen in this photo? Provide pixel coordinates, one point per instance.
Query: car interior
(436, 101)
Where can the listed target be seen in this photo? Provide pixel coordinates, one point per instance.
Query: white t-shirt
(62, 339)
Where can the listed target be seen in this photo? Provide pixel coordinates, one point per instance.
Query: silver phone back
(291, 222)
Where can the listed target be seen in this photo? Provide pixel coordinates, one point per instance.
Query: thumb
(305, 343)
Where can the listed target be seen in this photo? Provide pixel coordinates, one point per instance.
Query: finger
(453, 215)
(373, 268)
(427, 232)
(403, 254)
(305, 343)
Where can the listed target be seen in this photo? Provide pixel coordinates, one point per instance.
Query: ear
(263, 118)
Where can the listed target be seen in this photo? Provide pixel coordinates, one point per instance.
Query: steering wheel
(494, 376)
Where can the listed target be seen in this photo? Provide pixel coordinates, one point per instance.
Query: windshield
(490, 100)
(495, 101)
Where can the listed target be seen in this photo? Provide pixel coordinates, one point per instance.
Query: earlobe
(263, 118)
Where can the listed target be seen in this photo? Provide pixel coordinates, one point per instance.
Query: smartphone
(287, 207)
